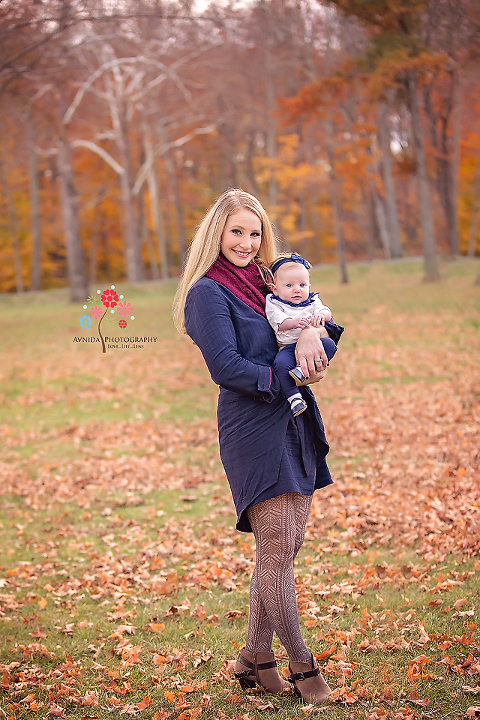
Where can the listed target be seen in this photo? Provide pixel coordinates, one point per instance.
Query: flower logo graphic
(96, 312)
(109, 298)
(85, 321)
(110, 301)
(124, 309)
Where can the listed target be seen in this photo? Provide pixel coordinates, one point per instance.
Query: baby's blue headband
(292, 258)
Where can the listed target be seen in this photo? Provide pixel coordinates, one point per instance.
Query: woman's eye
(255, 234)
(235, 231)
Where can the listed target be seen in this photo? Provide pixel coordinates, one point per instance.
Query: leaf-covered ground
(123, 584)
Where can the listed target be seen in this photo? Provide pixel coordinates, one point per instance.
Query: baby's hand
(303, 323)
(317, 321)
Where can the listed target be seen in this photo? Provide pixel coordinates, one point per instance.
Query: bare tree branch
(111, 64)
(101, 152)
(162, 149)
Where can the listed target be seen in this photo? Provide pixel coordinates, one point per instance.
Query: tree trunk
(93, 248)
(409, 215)
(145, 235)
(456, 99)
(35, 281)
(367, 222)
(131, 240)
(378, 214)
(317, 254)
(472, 235)
(17, 263)
(424, 198)
(77, 275)
(271, 138)
(134, 262)
(390, 197)
(306, 236)
(249, 164)
(182, 247)
(158, 223)
(155, 208)
(381, 218)
(335, 203)
(446, 158)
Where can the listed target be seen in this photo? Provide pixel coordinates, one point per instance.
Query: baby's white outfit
(278, 310)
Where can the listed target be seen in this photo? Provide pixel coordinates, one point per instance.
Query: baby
(290, 308)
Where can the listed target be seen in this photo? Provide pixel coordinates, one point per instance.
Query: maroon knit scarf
(246, 283)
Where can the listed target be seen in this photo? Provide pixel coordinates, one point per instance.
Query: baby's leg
(330, 349)
(283, 363)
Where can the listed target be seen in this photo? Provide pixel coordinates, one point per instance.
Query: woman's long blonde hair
(205, 246)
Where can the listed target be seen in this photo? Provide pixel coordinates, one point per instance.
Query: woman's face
(241, 237)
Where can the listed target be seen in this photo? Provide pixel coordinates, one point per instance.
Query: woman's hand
(311, 355)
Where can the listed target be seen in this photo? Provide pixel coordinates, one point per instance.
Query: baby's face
(292, 282)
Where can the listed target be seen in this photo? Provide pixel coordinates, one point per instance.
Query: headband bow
(292, 258)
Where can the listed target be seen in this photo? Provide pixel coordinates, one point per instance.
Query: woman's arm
(209, 324)
(310, 354)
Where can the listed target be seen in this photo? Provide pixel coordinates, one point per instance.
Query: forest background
(355, 122)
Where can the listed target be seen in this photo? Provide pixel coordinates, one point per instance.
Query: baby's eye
(289, 284)
(303, 284)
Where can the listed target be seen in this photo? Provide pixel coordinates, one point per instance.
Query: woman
(273, 462)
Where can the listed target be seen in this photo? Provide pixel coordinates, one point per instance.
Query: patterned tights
(279, 528)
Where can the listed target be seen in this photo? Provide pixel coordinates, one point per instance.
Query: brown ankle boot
(245, 669)
(267, 674)
(308, 682)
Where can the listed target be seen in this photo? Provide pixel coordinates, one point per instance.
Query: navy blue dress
(265, 450)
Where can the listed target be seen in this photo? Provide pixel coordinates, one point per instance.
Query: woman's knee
(272, 550)
(303, 504)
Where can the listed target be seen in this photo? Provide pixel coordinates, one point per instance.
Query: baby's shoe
(297, 374)
(298, 406)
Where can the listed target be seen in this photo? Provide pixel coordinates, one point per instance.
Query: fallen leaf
(56, 711)
(414, 698)
(156, 627)
(145, 703)
(231, 614)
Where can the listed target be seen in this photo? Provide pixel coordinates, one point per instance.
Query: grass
(123, 584)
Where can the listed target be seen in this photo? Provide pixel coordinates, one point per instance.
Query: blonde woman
(273, 461)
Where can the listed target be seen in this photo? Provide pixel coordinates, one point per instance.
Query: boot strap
(243, 661)
(303, 676)
(267, 665)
